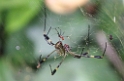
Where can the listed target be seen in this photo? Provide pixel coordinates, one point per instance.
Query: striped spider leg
(47, 38)
(44, 59)
(88, 56)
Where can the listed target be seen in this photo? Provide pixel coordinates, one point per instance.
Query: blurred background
(22, 41)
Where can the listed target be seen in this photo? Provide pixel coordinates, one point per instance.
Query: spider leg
(86, 53)
(87, 44)
(44, 59)
(88, 39)
(60, 31)
(57, 32)
(81, 55)
(54, 71)
(49, 30)
(78, 55)
(63, 33)
(45, 16)
(47, 38)
(89, 56)
(98, 56)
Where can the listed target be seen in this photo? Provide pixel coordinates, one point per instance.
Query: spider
(64, 50)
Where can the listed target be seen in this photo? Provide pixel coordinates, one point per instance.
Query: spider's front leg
(47, 38)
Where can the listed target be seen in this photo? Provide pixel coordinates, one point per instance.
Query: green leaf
(18, 13)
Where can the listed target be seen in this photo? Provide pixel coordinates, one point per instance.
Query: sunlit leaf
(18, 13)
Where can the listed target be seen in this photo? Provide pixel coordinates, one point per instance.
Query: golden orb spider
(63, 50)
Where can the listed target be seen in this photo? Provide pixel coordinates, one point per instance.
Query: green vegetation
(21, 42)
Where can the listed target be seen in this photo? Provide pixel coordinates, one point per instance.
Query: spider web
(73, 25)
(76, 27)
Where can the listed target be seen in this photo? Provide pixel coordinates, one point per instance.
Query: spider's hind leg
(98, 56)
(81, 54)
(85, 54)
